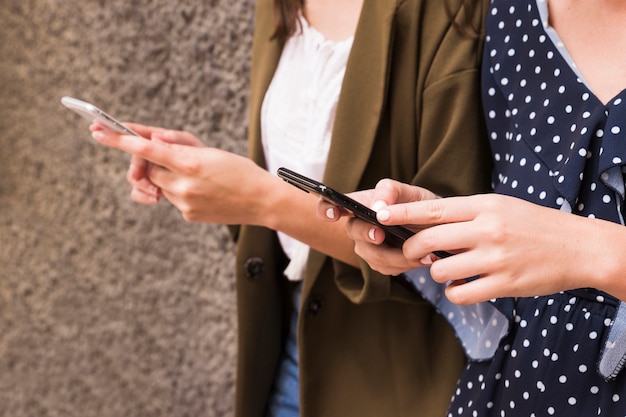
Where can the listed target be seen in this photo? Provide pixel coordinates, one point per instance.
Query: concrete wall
(107, 307)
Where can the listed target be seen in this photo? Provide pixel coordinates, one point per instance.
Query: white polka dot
(615, 130)
(571, 401)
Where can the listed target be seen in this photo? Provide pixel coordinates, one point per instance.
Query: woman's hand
(205, 184)
(369, 239)
(515, 247)
(143, 190)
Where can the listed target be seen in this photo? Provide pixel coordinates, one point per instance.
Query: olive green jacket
(409, 109)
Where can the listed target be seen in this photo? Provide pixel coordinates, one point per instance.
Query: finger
(330, 212)
(395, 192)
(157, 152)
(461, 266)
(176, 137)
(139, 196)
(142, 130)
(384, 259)
(137, 170)
(473, 291)
(430, 212)
(147, 187)
(359, 230)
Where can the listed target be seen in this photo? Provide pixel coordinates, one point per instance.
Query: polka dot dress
(555, 144)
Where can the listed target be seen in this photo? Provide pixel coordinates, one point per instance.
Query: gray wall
(108, 307)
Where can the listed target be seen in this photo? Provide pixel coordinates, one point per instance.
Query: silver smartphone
(92, 113)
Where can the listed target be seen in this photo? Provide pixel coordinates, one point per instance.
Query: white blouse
(298, 114)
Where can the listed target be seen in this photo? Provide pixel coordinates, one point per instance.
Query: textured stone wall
(107, 307)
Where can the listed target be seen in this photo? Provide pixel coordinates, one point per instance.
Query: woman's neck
(335, 19)
(594, 33)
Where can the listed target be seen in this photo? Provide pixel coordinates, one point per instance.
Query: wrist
(608, 269)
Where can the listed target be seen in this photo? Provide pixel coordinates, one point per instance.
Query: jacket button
(315, 305)
(254, 267)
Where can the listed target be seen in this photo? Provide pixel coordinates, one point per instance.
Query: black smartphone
(394, 235)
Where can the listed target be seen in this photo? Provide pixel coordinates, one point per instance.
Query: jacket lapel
(362, 96)
(360, 106)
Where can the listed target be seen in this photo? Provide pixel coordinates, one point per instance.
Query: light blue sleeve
(614, 355)
(479, 327)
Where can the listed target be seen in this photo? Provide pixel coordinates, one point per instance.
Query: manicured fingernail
(383, 215)
(372, 234)
(379, 204)
(330, 213)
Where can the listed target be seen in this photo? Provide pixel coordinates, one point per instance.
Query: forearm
(292, 211)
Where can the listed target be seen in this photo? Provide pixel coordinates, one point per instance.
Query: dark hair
(286, 21)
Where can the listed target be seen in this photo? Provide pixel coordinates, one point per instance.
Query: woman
(554, 91)
(407, 107)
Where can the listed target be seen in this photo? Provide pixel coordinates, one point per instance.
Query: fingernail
(379, 204)
(372, 234)
(98, 135)
(383, 215)
(427, 260)
(330, 213)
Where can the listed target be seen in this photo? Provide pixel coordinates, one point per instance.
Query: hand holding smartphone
(93, 113)
(394, 235)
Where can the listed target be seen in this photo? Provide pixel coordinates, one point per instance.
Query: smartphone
(92, 113)
(394, 235)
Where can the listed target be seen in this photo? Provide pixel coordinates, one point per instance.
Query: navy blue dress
(555, 144)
